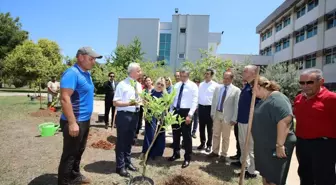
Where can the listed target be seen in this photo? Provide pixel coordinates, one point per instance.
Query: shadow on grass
(220, 170)
(98, 126)
(113, 139)
(44, 179)
(101, 167)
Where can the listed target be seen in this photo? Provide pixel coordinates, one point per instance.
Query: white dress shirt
(206, 91)
(125, 92)
(189, 98)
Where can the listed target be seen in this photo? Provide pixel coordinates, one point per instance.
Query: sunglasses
(160, 84)
(306, 82)
(112, 76)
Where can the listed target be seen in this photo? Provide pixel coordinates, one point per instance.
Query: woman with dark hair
(273, 133)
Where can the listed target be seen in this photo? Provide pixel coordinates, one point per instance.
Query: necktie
(221, 103)
(180, 97)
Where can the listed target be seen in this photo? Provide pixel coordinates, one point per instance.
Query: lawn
(30, 159)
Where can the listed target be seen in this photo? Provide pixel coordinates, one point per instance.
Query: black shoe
(208, 149)
(248, 175)
(236, 157)
(201, 147)
(106, 127)
(122, 172)
(174, 157)
(236, 164)
(185, 163)
(193, 135)
(132, 167)
(213, 155)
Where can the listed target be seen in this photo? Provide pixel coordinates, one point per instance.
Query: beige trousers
(221, 132)
(242, 134)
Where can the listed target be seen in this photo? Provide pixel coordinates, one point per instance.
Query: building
(174, 41)
(302, 32)
(251, 59)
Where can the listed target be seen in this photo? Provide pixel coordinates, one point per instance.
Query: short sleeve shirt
(125, 92)
(83, 91)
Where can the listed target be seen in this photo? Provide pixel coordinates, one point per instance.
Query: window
(164, 49)
(311, 30)
(310, 61)
(263, 37)
(269, 33)
(330, 56)
(287, 21)
(312, 4)
(268, 51)
(285, 43)
(182, 30)
(331, 20)
(181, 56)
(278, 27)
(300, 36)
(299, 64)
(301, 11)
(278, 47)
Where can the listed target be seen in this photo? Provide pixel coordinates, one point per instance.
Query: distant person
(53, 90)
(273, 133)
(315, 113)
(109, 88)
(205, 94)
(169, 85)
(177, 76)
(77, 92)
(224, 110)
(127, 118)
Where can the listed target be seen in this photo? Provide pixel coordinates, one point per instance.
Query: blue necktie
(221, 103)
(180, 97)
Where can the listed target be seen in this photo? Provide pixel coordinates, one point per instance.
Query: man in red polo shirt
(315, 112)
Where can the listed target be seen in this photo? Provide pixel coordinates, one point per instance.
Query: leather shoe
(201, 147)
(122, 172)
(132, 167)
(185, 163)
(208, 149)
(174, 157)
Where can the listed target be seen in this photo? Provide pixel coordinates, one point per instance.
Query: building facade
(302, 32)
(174, 41)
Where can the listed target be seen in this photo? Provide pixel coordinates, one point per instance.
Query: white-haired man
(127, 118)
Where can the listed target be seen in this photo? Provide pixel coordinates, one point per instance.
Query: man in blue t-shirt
(77, 103)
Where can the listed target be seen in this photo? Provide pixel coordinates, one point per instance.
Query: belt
(204, 105)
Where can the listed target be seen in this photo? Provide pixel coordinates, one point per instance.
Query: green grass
(19, 90)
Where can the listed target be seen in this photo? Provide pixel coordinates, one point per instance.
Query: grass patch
(19, 90)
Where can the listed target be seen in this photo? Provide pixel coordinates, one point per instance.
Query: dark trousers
(108, 107)
(205, 120)
(195, 122)
(185, 130)
(317, 160)
(237, 140)
(73, 148)
(139, 124)
(126, 128)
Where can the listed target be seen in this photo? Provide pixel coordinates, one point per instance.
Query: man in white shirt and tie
(127, 118)
(185, 104)
(205, 95)
(224, 112)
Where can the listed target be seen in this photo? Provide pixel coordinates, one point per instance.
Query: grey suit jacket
(230, 107)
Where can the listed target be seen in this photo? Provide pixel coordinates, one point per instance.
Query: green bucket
(48, 129)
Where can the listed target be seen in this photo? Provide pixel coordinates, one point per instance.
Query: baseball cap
(88, 51)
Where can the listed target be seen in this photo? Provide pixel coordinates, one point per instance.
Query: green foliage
(155, 70)
(237, 69)
(208, 61)
(285, 75)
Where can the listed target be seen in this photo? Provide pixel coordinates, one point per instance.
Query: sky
(76, 23)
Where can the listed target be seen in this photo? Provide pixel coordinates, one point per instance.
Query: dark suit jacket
(109, 90)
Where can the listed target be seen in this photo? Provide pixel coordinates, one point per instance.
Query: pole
(242, 172)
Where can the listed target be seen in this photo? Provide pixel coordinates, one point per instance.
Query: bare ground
(30, 159)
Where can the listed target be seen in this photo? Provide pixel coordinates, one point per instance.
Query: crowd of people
(218, 106)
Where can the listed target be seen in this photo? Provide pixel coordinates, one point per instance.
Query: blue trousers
(126, 128)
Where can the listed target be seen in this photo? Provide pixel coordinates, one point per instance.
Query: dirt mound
(181, 180)
(103, 145)
(45, 113)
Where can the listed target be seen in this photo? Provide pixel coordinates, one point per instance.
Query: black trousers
(126, 128)
(185, 130)
(237, 140)
(204, 113)
(139, 125)
(73, 148)
(317, 160)
(108, 107)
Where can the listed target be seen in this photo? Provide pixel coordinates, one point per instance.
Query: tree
(237, 69)
(155, 70)
(11, 36)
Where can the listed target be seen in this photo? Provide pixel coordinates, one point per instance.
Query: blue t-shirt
(82, 98)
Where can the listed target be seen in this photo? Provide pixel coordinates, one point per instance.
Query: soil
(45, 113)
(181, 180)
(102, 145)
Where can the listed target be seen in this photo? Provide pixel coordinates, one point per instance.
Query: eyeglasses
(306, 82)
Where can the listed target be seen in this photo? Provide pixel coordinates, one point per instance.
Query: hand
(280, 152)
(73, 129)
(233, 123)
(188, 120)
